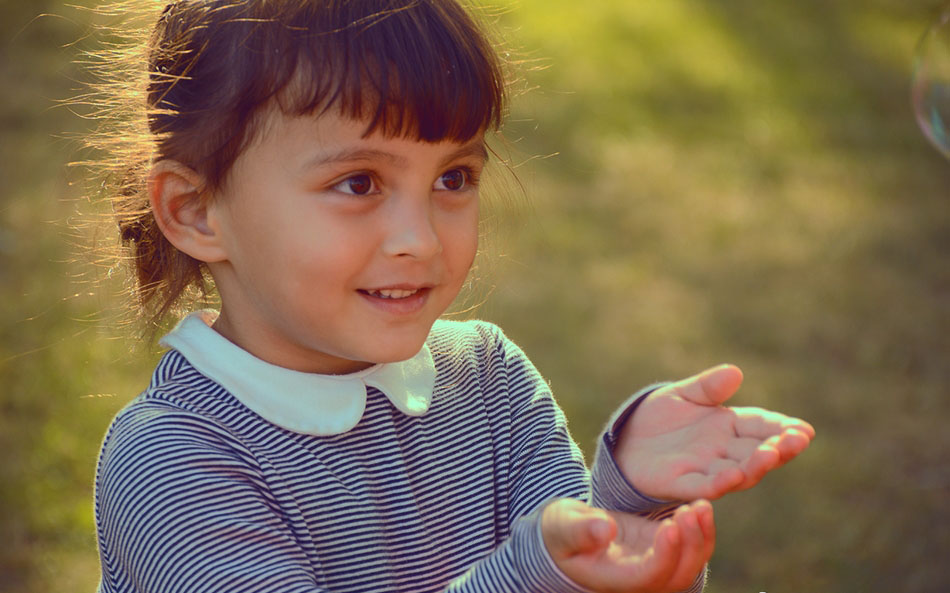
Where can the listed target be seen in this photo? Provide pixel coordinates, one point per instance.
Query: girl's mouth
(391, 293)
(397, 301)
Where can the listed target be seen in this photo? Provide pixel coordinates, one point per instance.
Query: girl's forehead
(332, 136)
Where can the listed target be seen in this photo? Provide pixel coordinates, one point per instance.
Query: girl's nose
(411, 232)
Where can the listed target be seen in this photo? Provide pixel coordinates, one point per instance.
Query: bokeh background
(719, 181)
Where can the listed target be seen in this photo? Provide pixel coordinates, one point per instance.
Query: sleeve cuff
(610, 488)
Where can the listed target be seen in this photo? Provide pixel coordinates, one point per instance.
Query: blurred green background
(733, 181)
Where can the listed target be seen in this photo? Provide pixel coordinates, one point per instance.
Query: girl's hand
(614, 552)
(682, 444)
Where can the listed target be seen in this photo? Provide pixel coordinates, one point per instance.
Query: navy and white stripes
(196, 493)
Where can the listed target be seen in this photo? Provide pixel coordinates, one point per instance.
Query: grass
(733, 181)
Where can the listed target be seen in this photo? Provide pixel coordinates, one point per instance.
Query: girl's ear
(175, 193)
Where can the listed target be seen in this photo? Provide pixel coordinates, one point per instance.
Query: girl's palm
(682, 444)
(607, 551)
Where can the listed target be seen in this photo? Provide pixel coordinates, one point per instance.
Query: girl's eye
(453, 180)
(357, 185)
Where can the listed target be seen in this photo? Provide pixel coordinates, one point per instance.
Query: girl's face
(342, 251)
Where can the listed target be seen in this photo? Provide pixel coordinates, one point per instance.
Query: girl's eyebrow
(474, 149)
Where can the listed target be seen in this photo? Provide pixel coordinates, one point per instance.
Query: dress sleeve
(179, 509)
(521, 564)
(548, 463)
(545, 464)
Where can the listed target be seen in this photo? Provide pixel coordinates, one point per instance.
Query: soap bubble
(930, 90)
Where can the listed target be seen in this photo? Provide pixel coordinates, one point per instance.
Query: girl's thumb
(569, 531)
(600, 531)
(711, 387)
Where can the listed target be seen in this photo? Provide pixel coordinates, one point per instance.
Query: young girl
(325, 431)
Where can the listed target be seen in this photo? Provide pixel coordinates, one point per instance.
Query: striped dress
(195, 492)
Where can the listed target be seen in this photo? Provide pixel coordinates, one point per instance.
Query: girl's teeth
(393, 294)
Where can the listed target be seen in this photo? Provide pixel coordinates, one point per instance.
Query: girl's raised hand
(683, 444)
(615, 552)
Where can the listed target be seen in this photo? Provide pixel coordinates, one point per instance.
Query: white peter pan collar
(307, 403)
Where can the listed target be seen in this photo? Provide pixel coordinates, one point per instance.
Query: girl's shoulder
(464, 334)
(159, 438)
(474, 341)
(175, 406)
(481, 346)
(472, 333)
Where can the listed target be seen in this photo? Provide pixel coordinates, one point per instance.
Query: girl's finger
(757, 457)
(765, 458)
(739, 449)
(726, 476)
(707, 523)
(661, 561)
(710, 484)
(726, 480)
(692, 556)
(791, 443)
(761, 424)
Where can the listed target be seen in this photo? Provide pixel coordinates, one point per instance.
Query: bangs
(420, 69)
(409, 71)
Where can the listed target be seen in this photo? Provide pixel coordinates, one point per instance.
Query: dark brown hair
(421, 69)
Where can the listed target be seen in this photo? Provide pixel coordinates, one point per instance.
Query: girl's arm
(548, 465)
(181, 508)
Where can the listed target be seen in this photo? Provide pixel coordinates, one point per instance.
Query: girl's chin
(399, 352)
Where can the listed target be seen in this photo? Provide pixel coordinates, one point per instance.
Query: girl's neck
(259, 344)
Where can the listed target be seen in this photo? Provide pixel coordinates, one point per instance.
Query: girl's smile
(341, 250)
(398, 301)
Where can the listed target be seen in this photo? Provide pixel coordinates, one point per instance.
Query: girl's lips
(406, 305)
